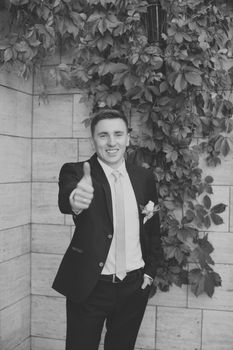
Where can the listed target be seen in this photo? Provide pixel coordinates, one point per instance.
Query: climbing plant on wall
(175, 88)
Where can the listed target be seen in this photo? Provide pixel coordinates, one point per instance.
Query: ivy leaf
(207, 202)
(218, 208)
(197, 281)
(207, 221)
(209, 179)
(209, 284)
(8, 55)
(180, 83)
(225, 148)
(217, 220)
(193, 78)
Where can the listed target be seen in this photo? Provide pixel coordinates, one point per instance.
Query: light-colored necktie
(120, 227)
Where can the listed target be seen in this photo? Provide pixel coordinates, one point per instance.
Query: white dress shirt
(132, 240)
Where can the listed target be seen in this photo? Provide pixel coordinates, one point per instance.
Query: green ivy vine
(176, 88)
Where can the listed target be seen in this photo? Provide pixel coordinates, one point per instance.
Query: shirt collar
(108, 170)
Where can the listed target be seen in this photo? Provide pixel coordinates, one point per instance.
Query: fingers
(82, 196)
(87, 173)
(146, 282)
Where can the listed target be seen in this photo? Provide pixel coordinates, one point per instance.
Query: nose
(111, 140)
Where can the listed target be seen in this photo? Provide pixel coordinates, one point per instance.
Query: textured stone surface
(81, 113)
(53, 119)
(14, 242)
(15, 324)
(223, 247)
(86, 149)
(48, 317)
(16, 209)
(43, 271)
(15, 155)
(14, 280)
(220, 177)
(25, 345)
(12, 80)
(174, 297)
(178, 329)
(16, 109)
(50, 238)
(47, 344)
(44, 204)
(217, 330)
(49, 155)
(231, 209)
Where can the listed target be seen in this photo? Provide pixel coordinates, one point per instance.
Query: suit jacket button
(101, 264)
(110, 236)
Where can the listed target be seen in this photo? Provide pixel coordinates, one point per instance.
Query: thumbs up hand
(82, 195)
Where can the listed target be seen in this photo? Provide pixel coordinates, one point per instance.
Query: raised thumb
(87, 172)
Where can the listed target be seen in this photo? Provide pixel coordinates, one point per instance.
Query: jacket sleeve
(152, 227)
(70, 175)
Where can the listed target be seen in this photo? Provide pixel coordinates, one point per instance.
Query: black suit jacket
(85, 257)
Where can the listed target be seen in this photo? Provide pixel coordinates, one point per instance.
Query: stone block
(44, 204)
(223, 247)
(223, 296)
(43, 271)
(15, 324)
(15, 155)
(49, 155)
(217, 330)
(86, 149)
(16, 209)
(81, 113)
(14, 280)
(54, 118)
(14, 242)
(48, 81)
(25, 345)
(222, 174)
(146, 335)
(47, 344)
(48, 317)
(178, 329)
(12, 80)
(16, 109)
(50, 238)
(231, 209)
(176, 297)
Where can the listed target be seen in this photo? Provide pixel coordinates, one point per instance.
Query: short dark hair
(107, 114)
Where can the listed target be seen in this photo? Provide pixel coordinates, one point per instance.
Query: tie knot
(116, 174)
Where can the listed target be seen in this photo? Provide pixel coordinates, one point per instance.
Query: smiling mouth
(112, 151)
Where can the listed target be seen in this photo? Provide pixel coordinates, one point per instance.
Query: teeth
(112, 151)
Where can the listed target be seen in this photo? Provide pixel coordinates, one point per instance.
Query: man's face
(110, 139)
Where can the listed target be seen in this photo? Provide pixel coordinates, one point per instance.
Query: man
(112, 259)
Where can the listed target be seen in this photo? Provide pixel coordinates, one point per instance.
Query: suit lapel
(136, 183)
(100, 177)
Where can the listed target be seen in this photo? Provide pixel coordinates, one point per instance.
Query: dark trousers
(121, 305)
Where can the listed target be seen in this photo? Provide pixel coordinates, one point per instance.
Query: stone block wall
(36, 138)
(15, 212)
